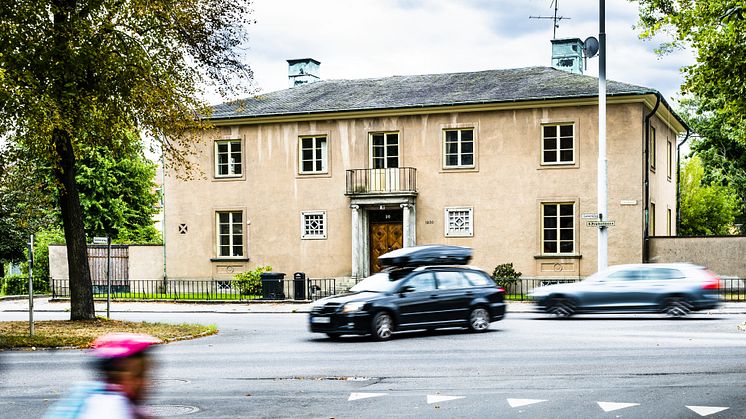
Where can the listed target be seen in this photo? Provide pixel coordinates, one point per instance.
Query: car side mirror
(405, 289)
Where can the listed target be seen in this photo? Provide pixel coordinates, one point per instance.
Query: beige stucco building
(325, 176)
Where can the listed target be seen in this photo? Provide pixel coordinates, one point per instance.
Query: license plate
(320, 320)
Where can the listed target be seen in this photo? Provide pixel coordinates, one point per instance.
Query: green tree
(706, 209)
(75, 73)
(716, 30)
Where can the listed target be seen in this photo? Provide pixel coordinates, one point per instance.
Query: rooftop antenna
(556, 19)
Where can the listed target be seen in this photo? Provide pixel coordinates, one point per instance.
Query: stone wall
(724, 255)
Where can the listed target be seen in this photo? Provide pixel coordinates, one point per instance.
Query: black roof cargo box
(427, 255)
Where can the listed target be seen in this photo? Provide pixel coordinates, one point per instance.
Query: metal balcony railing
(381, 181)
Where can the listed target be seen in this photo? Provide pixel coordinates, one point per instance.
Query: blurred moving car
(671, 288)
(422, 287)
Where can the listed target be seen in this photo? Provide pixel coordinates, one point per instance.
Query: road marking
(609, 406)
(437, 399)
(359, 396)
(523, 402)
(706, 410)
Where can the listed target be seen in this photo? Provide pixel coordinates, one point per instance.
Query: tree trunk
(2, 269)
(81, 292)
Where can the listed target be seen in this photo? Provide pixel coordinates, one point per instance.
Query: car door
(418, 300)
(615, 291)
(454, 295)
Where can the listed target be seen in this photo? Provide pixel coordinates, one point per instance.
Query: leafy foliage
(18, 285)
(250, 282)
(716, 30)
(505, 275)
(706, 209)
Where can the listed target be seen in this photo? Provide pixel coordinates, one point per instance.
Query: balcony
(392, 181)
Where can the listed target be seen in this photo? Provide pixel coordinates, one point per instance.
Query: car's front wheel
(676, 307)
(382, 326)
(561, 307)
(479, 319)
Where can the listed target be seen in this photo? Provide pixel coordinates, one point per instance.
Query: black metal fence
(202, 290)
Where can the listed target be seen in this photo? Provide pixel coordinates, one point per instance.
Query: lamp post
(602, 192)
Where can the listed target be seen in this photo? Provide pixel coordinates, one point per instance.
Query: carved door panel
(384, 237)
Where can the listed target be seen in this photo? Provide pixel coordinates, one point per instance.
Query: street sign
(589, 216)
(599, 223)
(100, 240)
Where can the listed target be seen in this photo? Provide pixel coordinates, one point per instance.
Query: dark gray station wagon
(402, 297)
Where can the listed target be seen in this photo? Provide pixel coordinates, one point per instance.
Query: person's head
(123, 360)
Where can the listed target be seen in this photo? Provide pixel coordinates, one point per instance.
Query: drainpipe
(646, 181)
(678, 179)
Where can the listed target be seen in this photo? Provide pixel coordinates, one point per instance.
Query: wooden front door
(384, 237)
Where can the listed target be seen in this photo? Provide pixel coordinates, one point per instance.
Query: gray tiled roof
(492, 86)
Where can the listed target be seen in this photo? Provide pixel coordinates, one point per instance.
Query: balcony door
(384, 160)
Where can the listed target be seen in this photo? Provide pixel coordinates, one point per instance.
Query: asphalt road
(526, 366)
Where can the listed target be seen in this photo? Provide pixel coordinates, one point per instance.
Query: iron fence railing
(203, 290)
(377, 181)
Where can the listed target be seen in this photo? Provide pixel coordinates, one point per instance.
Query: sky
(356, 39)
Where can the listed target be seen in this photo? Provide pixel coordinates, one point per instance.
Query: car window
(448, 280)
(478, 280)
(626, 275)
(379, 282)
(422, 282)
(664, 273)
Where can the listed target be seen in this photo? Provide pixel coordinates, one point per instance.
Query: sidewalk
(42, 304)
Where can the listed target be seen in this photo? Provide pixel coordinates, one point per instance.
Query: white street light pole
(603, 232)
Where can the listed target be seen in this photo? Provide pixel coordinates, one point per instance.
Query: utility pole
(602, 191)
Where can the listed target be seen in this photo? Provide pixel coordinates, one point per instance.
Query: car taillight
(712, 283)
(501, 289)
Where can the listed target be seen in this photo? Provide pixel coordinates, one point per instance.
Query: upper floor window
(669, 159)
(458, 148)
(459, 222)
(228, 158)
(652, 149)
(230, 233)
(313, 225)
(314, 155)
(558, 228)
(384, 150)
(558, 143)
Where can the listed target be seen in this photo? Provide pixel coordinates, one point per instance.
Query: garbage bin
(272, 288)
(299, 285)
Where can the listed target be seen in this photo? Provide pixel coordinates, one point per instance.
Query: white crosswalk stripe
(437, 398)
(523, 402)
(360, 396)
(610, 406)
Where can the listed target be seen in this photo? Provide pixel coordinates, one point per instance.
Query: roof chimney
(567, 55)
(302, 71)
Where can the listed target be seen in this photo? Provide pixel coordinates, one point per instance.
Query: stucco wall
(505, 190)
(143, 262)
(725, 256)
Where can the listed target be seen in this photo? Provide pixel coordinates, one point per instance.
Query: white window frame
(231, 234)
(459, 145)
(454, 231)
(558, 229)
(230, 164)
(386, 156)
(319, 142)
(306, 234)
(558, 149)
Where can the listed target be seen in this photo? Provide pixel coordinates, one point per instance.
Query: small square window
(314, 155)
(558, 144)
(313, 225)
(458, 148)
(459, 222)
(228, 158)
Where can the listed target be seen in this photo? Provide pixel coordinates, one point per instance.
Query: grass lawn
(81, 333)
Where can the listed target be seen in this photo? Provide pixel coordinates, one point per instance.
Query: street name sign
(100, 240)
(599, 223)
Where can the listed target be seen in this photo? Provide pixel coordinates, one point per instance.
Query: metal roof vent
(302, 71)
(567, 55)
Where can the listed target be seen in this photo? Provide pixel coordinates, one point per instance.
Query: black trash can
(272, 288)
(299, 285)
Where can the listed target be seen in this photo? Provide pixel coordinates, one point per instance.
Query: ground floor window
(230, 233)
(558, 228)
(459, 222)
(313, 225)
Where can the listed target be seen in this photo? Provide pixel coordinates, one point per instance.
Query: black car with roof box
(421, 287)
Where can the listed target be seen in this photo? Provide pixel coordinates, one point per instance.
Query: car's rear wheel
(382, 326)
(676, 307)
(479, 319)
(561, 307)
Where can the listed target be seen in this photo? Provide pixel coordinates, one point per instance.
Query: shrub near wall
(250, 282)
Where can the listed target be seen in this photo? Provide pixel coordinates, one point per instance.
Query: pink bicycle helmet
(122, 345)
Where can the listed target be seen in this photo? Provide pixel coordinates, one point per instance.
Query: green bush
(250, 282)
(505, 275)
(18, 285)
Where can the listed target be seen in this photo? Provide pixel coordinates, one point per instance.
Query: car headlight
(353, 307)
